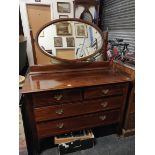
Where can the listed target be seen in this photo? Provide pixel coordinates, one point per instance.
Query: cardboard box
(70, 137)
(75, 141)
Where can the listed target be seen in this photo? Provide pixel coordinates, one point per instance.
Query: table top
(45, 81)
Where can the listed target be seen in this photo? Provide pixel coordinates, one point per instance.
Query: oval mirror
(70, 39)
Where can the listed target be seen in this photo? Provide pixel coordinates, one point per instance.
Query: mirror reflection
(70, 40)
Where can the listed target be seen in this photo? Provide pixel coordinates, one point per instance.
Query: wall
(54, 15)
(118, 17)
(78, 12)
(25, 24)
(20, 25)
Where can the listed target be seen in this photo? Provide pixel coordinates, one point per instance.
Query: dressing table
(74, 95)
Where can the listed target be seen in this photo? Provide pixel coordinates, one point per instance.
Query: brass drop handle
(60, 125)
(104, 104)
(102, 117)
(105, 91)
(58, 97)
(60, 111)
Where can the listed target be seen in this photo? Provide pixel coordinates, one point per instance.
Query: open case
(75, 141)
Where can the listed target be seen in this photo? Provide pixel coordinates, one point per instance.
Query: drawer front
(67, 110)
(55, 97)
(52, 128)
(100, 91)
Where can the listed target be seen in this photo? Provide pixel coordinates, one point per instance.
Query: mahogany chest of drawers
(57, 102)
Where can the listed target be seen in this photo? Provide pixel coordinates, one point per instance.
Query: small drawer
(100, 91)
(51, 128)
(67, 110)
(56, 97)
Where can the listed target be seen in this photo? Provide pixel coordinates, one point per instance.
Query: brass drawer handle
(60, 125)
(102, 117)
(104, 104)
(60, 111)
(58, 97)
(105, 91)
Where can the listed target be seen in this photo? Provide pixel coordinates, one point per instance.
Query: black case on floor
(75, 146)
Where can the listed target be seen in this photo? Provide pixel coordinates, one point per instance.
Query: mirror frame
(70, 19)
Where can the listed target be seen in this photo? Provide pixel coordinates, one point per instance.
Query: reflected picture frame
(58, 42)
(81, 30)
(64, 28)
(70, 41)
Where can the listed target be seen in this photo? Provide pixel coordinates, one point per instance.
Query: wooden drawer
(54, 97)
(51, 128)
(100, 91)
(67, 110)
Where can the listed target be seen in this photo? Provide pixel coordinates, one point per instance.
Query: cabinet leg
(32, 142)
(119, 130)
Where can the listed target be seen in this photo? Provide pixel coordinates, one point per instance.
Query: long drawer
(51, 128)
(106, 90)
(67, 110)
(56, 97)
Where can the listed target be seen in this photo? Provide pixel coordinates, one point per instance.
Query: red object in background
(115, 50)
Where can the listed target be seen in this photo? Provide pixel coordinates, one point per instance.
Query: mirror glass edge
(76, 20)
